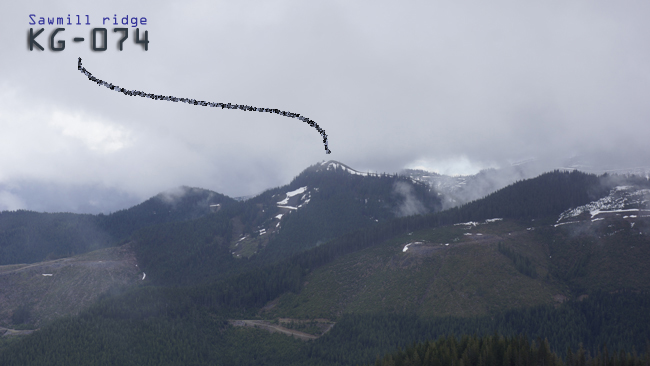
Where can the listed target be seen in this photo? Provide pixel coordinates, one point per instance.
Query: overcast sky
(445, 85)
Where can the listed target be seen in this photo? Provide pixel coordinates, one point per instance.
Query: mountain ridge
(458, 270)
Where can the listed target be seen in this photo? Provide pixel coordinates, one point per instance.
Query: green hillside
(523, 274)
(466, 277)
(101, 337)
(608, 255)
(469, 270)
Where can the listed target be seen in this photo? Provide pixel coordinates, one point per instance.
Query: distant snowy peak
(620, 200)
(592, 165)
(457, 190)
(454, 190)
(441, 183)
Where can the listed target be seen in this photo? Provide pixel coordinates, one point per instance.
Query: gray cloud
(393, 84)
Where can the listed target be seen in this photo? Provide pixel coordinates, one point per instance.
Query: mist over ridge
(454, 190)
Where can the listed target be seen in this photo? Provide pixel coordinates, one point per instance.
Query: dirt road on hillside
(263, 324)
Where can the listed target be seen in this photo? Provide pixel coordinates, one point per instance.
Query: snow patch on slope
(297, 191)
(493, 220)
(291, 194)
(289, 207)
(406, 247)
(618, 199)
(471, 223)
(474, 223)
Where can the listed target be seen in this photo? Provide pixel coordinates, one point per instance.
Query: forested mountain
(318, 205)
(374, 254)
(343, 200)
(334, 199)
(181, 204)
(28, 237)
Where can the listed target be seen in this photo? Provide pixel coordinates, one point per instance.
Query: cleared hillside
(31, 294)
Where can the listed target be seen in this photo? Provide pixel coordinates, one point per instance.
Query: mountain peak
(335, 165)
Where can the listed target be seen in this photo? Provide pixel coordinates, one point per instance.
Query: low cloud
(173, 195)
(410, 205)
(97, 135)
(10, 202)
